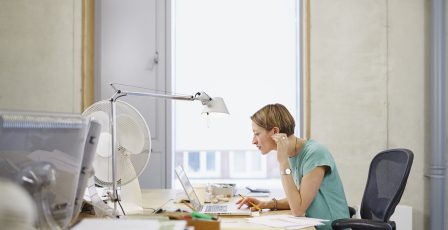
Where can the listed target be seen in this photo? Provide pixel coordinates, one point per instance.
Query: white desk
(156, 198)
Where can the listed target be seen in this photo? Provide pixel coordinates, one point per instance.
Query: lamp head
(211, 105)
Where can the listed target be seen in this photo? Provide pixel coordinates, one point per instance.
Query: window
(203, 164)
(247, 164)
(246, 51)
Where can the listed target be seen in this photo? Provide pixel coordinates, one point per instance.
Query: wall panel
(40, 54)
(369, 88)
(348, 85)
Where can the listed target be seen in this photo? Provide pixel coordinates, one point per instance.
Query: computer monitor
(48, 155)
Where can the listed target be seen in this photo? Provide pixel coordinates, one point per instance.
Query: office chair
(388, 174)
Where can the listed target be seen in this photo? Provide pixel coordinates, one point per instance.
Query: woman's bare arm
(300, 199)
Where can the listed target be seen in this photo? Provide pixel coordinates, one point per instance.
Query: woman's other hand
(282, 142)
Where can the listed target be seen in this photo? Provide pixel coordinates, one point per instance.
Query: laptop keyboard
(216, 208)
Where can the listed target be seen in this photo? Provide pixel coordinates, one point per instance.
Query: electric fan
(132, 153)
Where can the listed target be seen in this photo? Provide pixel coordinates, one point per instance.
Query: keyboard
(216, 208)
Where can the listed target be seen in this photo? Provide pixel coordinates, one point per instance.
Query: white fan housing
(133, 150)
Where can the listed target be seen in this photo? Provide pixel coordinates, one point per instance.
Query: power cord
(160, 210)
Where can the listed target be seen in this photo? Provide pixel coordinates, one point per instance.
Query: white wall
(40, 57)
(369, 88)
(129, 33)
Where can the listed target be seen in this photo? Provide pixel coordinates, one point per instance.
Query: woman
(309, 175)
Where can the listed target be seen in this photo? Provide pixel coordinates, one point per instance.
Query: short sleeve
(319, 156)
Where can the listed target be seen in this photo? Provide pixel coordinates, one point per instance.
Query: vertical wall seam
(387, 76)
(308, 71)
(83, 54)
(97, 47)
(299, 66)
(75, 107)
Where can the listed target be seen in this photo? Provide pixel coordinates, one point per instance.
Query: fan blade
(126, 170)
(131, 135)
(102, 118)
(104, 147)
(102, 167)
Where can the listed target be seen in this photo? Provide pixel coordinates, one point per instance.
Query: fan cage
(127, 117)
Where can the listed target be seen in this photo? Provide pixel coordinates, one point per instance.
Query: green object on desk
(202, 216)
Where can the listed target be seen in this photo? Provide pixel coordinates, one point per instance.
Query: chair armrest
(363, 224)
(351, 211)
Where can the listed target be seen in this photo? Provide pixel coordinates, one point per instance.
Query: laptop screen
(192, 196)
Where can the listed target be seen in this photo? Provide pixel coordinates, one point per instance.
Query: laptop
(229, 209)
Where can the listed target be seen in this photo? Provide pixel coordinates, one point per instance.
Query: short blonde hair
(275, 115)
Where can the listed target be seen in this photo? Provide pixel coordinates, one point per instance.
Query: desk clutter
(258, 192)
(227, 190)
(48, 156)
(215, 193)
(165, 206)
(165, 221)
(199, 221)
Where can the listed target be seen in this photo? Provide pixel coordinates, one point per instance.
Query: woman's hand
(282, 142)
(250, 202)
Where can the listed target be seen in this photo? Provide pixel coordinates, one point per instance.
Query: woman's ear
(276, 130)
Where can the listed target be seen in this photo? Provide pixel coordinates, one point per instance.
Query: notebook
(219, 209)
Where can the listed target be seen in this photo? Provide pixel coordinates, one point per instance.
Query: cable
(153, 209)
(119, 203)
(159, 210)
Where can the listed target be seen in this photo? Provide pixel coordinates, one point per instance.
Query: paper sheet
(286, 221)
(258, 194)
(115, 224)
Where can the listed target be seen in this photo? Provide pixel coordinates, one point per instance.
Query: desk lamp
(211, 105)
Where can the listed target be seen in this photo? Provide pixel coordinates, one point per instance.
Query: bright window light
(246, 51)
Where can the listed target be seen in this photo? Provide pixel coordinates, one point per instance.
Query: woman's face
(262, 139)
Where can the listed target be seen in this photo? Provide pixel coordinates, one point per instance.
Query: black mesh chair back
(388, 175)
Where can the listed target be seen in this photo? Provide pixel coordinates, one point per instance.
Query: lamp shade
(215, 105)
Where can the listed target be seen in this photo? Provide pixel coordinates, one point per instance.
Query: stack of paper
(258, 194)
(134, 224)
(286, 221)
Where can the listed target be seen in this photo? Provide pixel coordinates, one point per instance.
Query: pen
(187, 203)
(250, 202)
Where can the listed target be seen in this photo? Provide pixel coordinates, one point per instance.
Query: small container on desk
(226, 190)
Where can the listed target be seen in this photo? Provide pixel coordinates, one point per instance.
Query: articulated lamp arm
(211, 105)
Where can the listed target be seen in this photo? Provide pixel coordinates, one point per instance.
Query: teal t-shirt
(329, 202)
